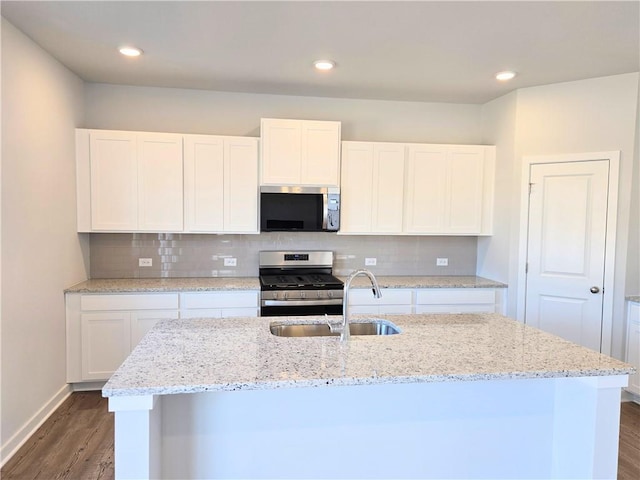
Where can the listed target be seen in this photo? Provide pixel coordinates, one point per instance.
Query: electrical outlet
(145, 262)
(370, 261)
(230, 262)
(442, 262)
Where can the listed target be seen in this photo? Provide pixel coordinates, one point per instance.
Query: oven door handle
(300, 303)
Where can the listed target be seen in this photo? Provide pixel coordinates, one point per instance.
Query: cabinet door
(114, 186)
(357, 187)
(106, 342)
(241, 185)
(426, 190)
(388, 188)
(320, 157)
(160, 182)
(204, 183)
(465, 190)
(143, 320)
(281, 148)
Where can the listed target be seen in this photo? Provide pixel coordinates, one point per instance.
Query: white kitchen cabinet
(221, 184)
(300, 152)
(633, 345)
(456, 300)
(102, 329)
(129, 181)
(449, 189)
(392, 301)
(372, 187)
(219, 304)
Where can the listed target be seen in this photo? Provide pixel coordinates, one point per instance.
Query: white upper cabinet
(372, 187)
(160, 182)
(417, 189)
(221, 184)
(163, 182)
(300, 152)
(135, 181)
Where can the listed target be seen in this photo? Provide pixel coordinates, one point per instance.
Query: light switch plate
(442, 262)
(145, 262)
(370, 261)
(230, 262)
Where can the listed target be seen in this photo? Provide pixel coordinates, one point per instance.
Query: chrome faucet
(344, 328)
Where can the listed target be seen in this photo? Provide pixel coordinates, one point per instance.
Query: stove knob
(275, 295)
(284, 295)
(302, 294)
(329, 294)
(319, 294)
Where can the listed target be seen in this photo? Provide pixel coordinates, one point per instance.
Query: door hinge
(526, 267)
(530, 187)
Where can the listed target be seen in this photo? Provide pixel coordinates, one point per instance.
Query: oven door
(297, 308)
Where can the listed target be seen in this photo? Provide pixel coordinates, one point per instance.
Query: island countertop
(190, 356)
(155, 285)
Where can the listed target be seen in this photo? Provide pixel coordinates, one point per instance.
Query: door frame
(610, 240)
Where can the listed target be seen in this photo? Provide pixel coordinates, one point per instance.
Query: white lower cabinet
(103, 329)
(219, 304)
(456, 300)
(633, 345)
(392, 301)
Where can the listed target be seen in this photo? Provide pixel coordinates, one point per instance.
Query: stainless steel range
(299, 283)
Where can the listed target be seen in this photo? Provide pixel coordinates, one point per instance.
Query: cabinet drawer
(456, 308)
(390, 296)
(155, 301)
(219, 300)
(458, 296)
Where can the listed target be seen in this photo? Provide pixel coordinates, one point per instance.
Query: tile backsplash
(192, 255)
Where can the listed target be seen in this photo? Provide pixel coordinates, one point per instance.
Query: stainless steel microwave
(299, 209)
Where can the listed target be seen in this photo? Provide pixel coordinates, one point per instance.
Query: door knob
(594, 289)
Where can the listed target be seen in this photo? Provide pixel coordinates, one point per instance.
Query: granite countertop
(128, 285)
(189, 356)
(634, 298)
(466, 281)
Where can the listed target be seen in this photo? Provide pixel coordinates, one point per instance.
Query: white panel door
(388, 190)
(241, 185)
(357, 187)
(566, 249)
(105, 343)
(204, 183)
(281, 148)
(320, 159)
(114, 187)
(426, 189)
(466, 183)
(160, 182)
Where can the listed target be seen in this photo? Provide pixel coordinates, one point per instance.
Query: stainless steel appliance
(299, 209)
(299, 283)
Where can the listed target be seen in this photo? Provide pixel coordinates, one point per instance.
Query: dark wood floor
(76, 442)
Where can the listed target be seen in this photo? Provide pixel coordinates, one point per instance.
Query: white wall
(584, 116)
(42, 103)
(206, 112)
(499, 128)
(633, 260)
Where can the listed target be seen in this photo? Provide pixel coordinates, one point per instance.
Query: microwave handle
(325, 210)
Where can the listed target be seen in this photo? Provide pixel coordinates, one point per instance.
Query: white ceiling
(389, 50)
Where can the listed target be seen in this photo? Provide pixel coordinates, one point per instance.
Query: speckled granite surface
(252, 283)
(124, 285)
(188, 356)
(427, 282)
(633, 298)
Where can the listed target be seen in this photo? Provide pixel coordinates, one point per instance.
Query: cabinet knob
(594, 289)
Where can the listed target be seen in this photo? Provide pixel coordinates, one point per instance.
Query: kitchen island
(451, 396)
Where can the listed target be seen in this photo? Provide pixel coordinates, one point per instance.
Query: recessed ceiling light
(324, 64)
(130, 51)
(506, 75)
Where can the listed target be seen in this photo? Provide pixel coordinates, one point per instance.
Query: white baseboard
(11, 446)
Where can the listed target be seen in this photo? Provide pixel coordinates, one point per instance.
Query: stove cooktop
(307, 280)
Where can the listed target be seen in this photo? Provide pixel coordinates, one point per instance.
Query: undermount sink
(374, 327)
